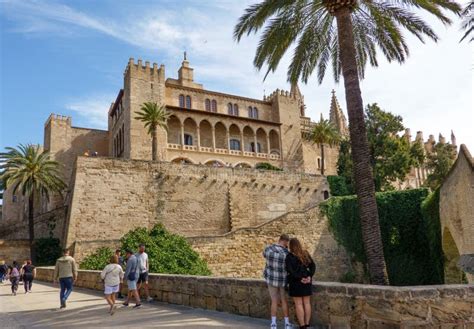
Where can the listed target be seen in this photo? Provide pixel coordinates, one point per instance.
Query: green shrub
(167, 253)
(405, 237)
(47, 251)
(267, 166)
(348, 277)
(97, 260)
(430, 211)
(338, 186)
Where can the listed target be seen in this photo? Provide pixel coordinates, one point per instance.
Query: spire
(453, 138)
(295, 91)
(441, 139)
(337, 117)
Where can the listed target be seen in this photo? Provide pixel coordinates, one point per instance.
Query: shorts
(109, 290)
(132, 285)
(143, 277)
(277, 293)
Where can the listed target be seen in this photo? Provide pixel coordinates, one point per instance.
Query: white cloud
(91, 110)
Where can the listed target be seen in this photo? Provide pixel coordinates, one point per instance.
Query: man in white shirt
(143, 268)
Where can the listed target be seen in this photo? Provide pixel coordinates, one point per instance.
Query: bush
(97, 260)
(338, 186)
(167, 253)
(47, 251)
(430, 211)
(405, 238)
(267, 166)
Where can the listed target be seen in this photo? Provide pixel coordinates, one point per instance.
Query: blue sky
(68, 57)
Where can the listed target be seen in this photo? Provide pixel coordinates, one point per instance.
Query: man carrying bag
(131, 275)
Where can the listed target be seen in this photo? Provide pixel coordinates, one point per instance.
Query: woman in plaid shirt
(275, 276)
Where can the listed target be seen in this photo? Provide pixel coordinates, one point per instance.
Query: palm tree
(345, 33)
(153, 116)
(31, 171)
(324, 132)
(468, 22)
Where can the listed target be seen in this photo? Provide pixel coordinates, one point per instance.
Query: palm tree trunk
(364, 182)
(31, 226)
(154, 145)
(322, 159)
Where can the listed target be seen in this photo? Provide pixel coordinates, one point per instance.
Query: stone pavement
(87, 309)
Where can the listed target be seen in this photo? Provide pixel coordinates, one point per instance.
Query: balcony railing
(195, 148)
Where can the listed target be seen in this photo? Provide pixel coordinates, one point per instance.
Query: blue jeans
(66, 288)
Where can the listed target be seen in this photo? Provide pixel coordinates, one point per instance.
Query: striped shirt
(275, 273)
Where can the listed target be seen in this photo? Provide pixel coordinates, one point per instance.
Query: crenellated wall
(112, 196)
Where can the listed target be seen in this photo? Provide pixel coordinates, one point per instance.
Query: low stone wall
(336, 304)
(11, 250)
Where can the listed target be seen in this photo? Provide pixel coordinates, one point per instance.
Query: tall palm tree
(468, 21)
(324, 132)
(154, 116)
(31, 172)
(346, 33)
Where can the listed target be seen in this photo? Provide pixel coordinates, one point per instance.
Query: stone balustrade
(272, 156)
(336, 305)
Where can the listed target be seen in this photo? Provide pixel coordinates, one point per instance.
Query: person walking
(121, 262)
(28, 272)
(3, 271)
(112, 275)
(143, 268)
(275, 277)
(66, 272)
(131, 274)
(300, 267)
(14, 275)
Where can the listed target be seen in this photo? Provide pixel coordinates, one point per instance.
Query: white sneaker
(273, 326)
(288, 326)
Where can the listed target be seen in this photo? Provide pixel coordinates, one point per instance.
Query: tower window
(188, 102)
(181, 100)
(233, 109)
(214, 105)
(207, 104)
(253, 112)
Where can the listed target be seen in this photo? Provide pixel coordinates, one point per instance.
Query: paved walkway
(87, 309)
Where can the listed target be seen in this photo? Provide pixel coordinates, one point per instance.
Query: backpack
(15, 273)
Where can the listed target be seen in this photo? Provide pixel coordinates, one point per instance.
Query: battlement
(61, 119)
(281, 93)
(139, 67)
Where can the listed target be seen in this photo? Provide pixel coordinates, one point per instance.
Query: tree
(324, 132)
(391, 156)
(346, 33)
(153, 116)
(31, 171)
(439, 162)
(468, 22)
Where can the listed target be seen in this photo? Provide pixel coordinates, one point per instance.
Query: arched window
(214, 106)
(255, 113)
(188, 139)
(259, 147)
(236, 110)
(250, 110)
(325, 195)
(230, 109)
(207, 104)
(181, 100)
(123, 138)
(188, 102)
(319, 163)
(234, 144)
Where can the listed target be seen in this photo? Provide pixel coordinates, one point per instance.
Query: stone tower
(295, 91)
(337, 117)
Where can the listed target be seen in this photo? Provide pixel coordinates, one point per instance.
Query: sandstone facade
(335, 305)
(457, 215)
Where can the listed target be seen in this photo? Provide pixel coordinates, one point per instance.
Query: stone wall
(457, 214)
(11, 250)
(112, 196)
(334, 304)
(239, 253)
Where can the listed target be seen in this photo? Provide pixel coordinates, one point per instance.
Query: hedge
(410, 251)
(338, 186)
